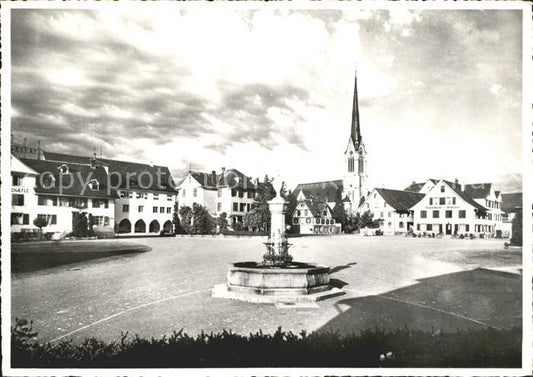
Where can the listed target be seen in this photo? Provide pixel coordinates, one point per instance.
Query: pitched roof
(316, 207)
(478, 190)
(231, 177)
(400, 200)
(511, 202)
(125, 175)
(325, 191)
(467, 198)
(416, 187)
(72, 184)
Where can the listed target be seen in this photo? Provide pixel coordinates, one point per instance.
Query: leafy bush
(371, 348)
(516, 237)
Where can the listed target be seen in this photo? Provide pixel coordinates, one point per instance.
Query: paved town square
(390, 282)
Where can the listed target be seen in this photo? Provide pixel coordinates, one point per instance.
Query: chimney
(214, 176)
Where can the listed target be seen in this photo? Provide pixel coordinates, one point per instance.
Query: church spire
(355, 134)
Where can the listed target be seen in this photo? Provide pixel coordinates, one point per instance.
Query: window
(442, 201)
(435, 214)
(233, 192)
(20, 218)
(170, 197)
(390, 214)
(94, 185)
(17, 180)
(154, 209)
(63, 169)
(430, 201)
(381, 215)
(98, 203)
(156, 196)
(442, 188)
(219, 206)
(453, 201)
(448, 214)
(125, 208)
(429, 227)
(241, 194)
(306, 212)
(195, 192)
(48, 201)
(48, 181)
(51, 219)
(423, 214)
(18, 200)
(242, 207)
(161, 209)
(467, 227)
(219, 192)
(462, 213)
(183, 193)
(401, 224)
(98, 220)
(77, 202)
(322, 221)
(248, 207)
(295, 220)
(298, 213)
(389, 224)
(235, 207)
(141, 208)
(249, 194)
(324, 213)
(417, 226)
(169, 209)
(308, 221)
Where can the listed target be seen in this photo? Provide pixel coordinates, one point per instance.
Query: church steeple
(355, 134)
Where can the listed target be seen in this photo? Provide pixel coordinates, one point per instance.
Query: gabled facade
(313, 217)
(448, 209)
(392, 208)
(230, 191)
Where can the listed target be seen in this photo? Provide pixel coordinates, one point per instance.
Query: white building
(145, 193)
(392, 208)
(54, 191)
(313, 217)
(448, 209)
(230, 191)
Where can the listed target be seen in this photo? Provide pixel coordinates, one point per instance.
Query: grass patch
(484, 348)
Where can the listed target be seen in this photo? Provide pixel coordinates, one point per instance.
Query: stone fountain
(277, 279)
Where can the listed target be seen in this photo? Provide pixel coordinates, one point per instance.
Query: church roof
(478, 190)
(325, 191)
(511, 202)
(400, 200)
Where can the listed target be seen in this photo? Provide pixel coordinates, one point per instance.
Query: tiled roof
(511, 202)
(325, 191)
(478, 190)
(231, 177)
(416, 187)
(467, 198)
(126, 175)
(73, 184)
(400, 200)
(316, 207)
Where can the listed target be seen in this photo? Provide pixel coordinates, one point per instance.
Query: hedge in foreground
(371, 348)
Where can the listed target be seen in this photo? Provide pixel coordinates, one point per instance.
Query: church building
(352, 188)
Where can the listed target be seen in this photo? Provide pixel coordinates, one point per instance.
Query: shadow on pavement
(343, 267)
(476, 298)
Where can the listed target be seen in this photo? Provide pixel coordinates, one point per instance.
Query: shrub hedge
(371, 348)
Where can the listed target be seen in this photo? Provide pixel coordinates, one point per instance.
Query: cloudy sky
(270, 91)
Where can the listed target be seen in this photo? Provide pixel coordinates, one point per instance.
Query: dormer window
(48, 180)
(94, 185)
(63, 169)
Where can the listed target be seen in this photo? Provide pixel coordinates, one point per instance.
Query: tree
(40, 222)
(176, 219)
(338, 212)
(261, 211)
(91, 232)
(367, 220)
(516, 237)
(202, 222)
(79, 225)
(291, 206)
(252, 221)
(222, 222)
(185, 213)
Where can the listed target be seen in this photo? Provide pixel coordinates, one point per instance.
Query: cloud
(497, 89)
(263, 90)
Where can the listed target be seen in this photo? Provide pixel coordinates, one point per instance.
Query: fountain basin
(296, 282)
